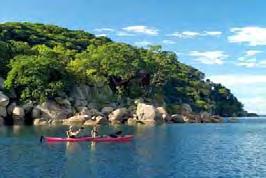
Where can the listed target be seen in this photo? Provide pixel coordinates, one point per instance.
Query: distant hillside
(43, 61)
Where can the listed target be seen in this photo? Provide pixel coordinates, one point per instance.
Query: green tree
(36, 78)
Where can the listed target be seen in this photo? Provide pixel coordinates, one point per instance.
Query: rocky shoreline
(76, 110)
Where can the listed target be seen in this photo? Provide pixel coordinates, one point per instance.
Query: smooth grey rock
(4, 100)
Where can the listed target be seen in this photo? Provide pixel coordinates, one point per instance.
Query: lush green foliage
(41, 61)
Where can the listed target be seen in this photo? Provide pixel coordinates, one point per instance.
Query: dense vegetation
(42, 61)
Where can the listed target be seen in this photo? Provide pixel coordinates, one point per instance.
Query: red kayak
(89, 139)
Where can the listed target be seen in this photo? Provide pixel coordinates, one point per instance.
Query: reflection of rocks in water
(93, 146)
(72, 147)
(74, 164)
(17, 129)
(232, 119)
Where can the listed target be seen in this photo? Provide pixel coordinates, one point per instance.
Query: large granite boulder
(95, 112)
(90, 122)
(52, 110)
(185, 109)
(18, 112)
(161, 114)
(205, 117)
(36, 113)
(10, 108)
(40, 121)
(96, 120)
(101, 120)
(146, 113)
(78, 119)
(28, 107)
(216, 119)
(107, 110)
(4, 100)
(118, 115)
(18, 115)
(177, 118)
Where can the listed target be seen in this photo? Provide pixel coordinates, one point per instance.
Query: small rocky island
(51, 75)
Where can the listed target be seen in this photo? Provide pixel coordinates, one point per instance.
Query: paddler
(71, 133)
(94, 131)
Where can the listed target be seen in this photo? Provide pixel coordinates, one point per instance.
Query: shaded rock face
(146, 112)
(162, 114)
(36, 113)
(186, 109)
(107, 110)
(4, 100)
(52, 110)
(83, 93)
(10, 108)
(177, 118)
(3, 112)
(118, 115)
(80, 94)
(95, 112)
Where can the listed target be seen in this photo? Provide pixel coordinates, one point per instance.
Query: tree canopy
(41, 61)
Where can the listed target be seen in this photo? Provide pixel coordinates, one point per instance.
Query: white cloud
(185, 34)
(249, 89)
(209, 57)
(122, 33)
(247, 64)
(142, 43)
(249, 60)
(230, 80)
(141, 29)
(193, 34)
(250, 53)
(168, 42)
(253, 36)
(250, 63)
(103, 34)
(104, 30)
(255, 104)
(212, 33)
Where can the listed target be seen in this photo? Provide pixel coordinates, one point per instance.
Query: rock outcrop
(146, 113)
(161, 114)
(118, 115)
(4, 100)
(78, 119)
(52, 110)
(107, 110)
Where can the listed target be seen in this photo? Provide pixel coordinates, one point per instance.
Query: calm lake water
(177, 150)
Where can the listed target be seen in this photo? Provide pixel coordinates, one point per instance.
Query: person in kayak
(94, 131)
(116, 134)
(71, 133)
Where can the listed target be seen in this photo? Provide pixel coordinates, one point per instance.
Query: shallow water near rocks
(176, 150)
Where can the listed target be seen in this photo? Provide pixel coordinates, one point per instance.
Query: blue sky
(224, 39)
